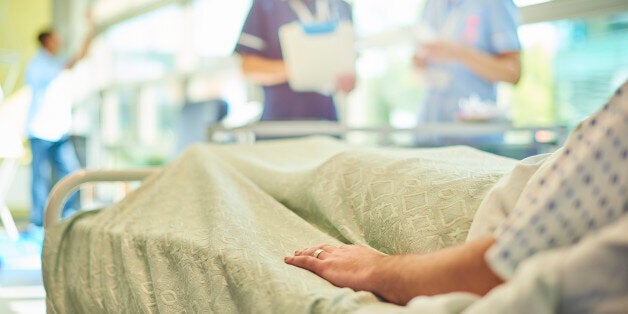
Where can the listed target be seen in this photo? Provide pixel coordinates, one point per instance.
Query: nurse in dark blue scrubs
(262, 60)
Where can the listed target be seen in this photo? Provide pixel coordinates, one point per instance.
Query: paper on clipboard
(315, 60)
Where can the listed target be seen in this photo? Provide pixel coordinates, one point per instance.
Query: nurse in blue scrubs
(262, 60)
(476, 47)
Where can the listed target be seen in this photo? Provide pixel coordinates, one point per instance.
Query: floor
(21, 285)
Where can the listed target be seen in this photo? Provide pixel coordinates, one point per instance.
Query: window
(570, 68)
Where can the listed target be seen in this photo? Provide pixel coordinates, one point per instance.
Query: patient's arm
(399, 278)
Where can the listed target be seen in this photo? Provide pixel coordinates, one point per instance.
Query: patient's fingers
(323, 255)
(310, 251)
(328, 248)
(306, 262)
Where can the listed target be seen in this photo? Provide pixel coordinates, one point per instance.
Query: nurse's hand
(419, 60)
(444, 50)
(502, 67)
(345, 83)
(351, 266)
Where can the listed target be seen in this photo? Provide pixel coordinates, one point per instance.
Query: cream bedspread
(208, 233)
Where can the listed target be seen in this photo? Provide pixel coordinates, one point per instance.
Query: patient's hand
(349, 266)
(399, 278)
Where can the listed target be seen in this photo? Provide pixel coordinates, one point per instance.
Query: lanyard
(304, 14)
(452, 21)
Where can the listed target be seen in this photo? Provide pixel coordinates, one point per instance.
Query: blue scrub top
(260, 36)
(41, 71)
(486, 25)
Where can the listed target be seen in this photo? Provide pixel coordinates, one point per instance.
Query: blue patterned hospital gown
(582, 191)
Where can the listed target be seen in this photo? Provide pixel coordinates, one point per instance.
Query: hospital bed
(208, 232)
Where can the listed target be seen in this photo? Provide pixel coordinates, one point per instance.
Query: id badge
(316, 28)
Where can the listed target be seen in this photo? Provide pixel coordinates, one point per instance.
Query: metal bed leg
(7, 172)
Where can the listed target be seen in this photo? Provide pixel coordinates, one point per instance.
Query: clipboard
(316, 54)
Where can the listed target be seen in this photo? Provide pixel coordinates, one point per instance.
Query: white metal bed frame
(71, 183)
(278, 129)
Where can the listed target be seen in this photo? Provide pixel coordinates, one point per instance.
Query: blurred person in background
(262, 59)
(49, 120)
(475, 45)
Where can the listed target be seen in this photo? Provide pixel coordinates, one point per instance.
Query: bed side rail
(71, 183)
(295, 128)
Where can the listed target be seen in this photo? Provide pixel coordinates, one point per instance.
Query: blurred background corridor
(160, 73)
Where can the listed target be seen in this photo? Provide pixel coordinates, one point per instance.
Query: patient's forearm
(463, 268)
(399, 278)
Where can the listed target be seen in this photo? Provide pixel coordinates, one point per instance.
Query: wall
(20, 22)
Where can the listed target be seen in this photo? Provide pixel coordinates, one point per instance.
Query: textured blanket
(209, 232)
